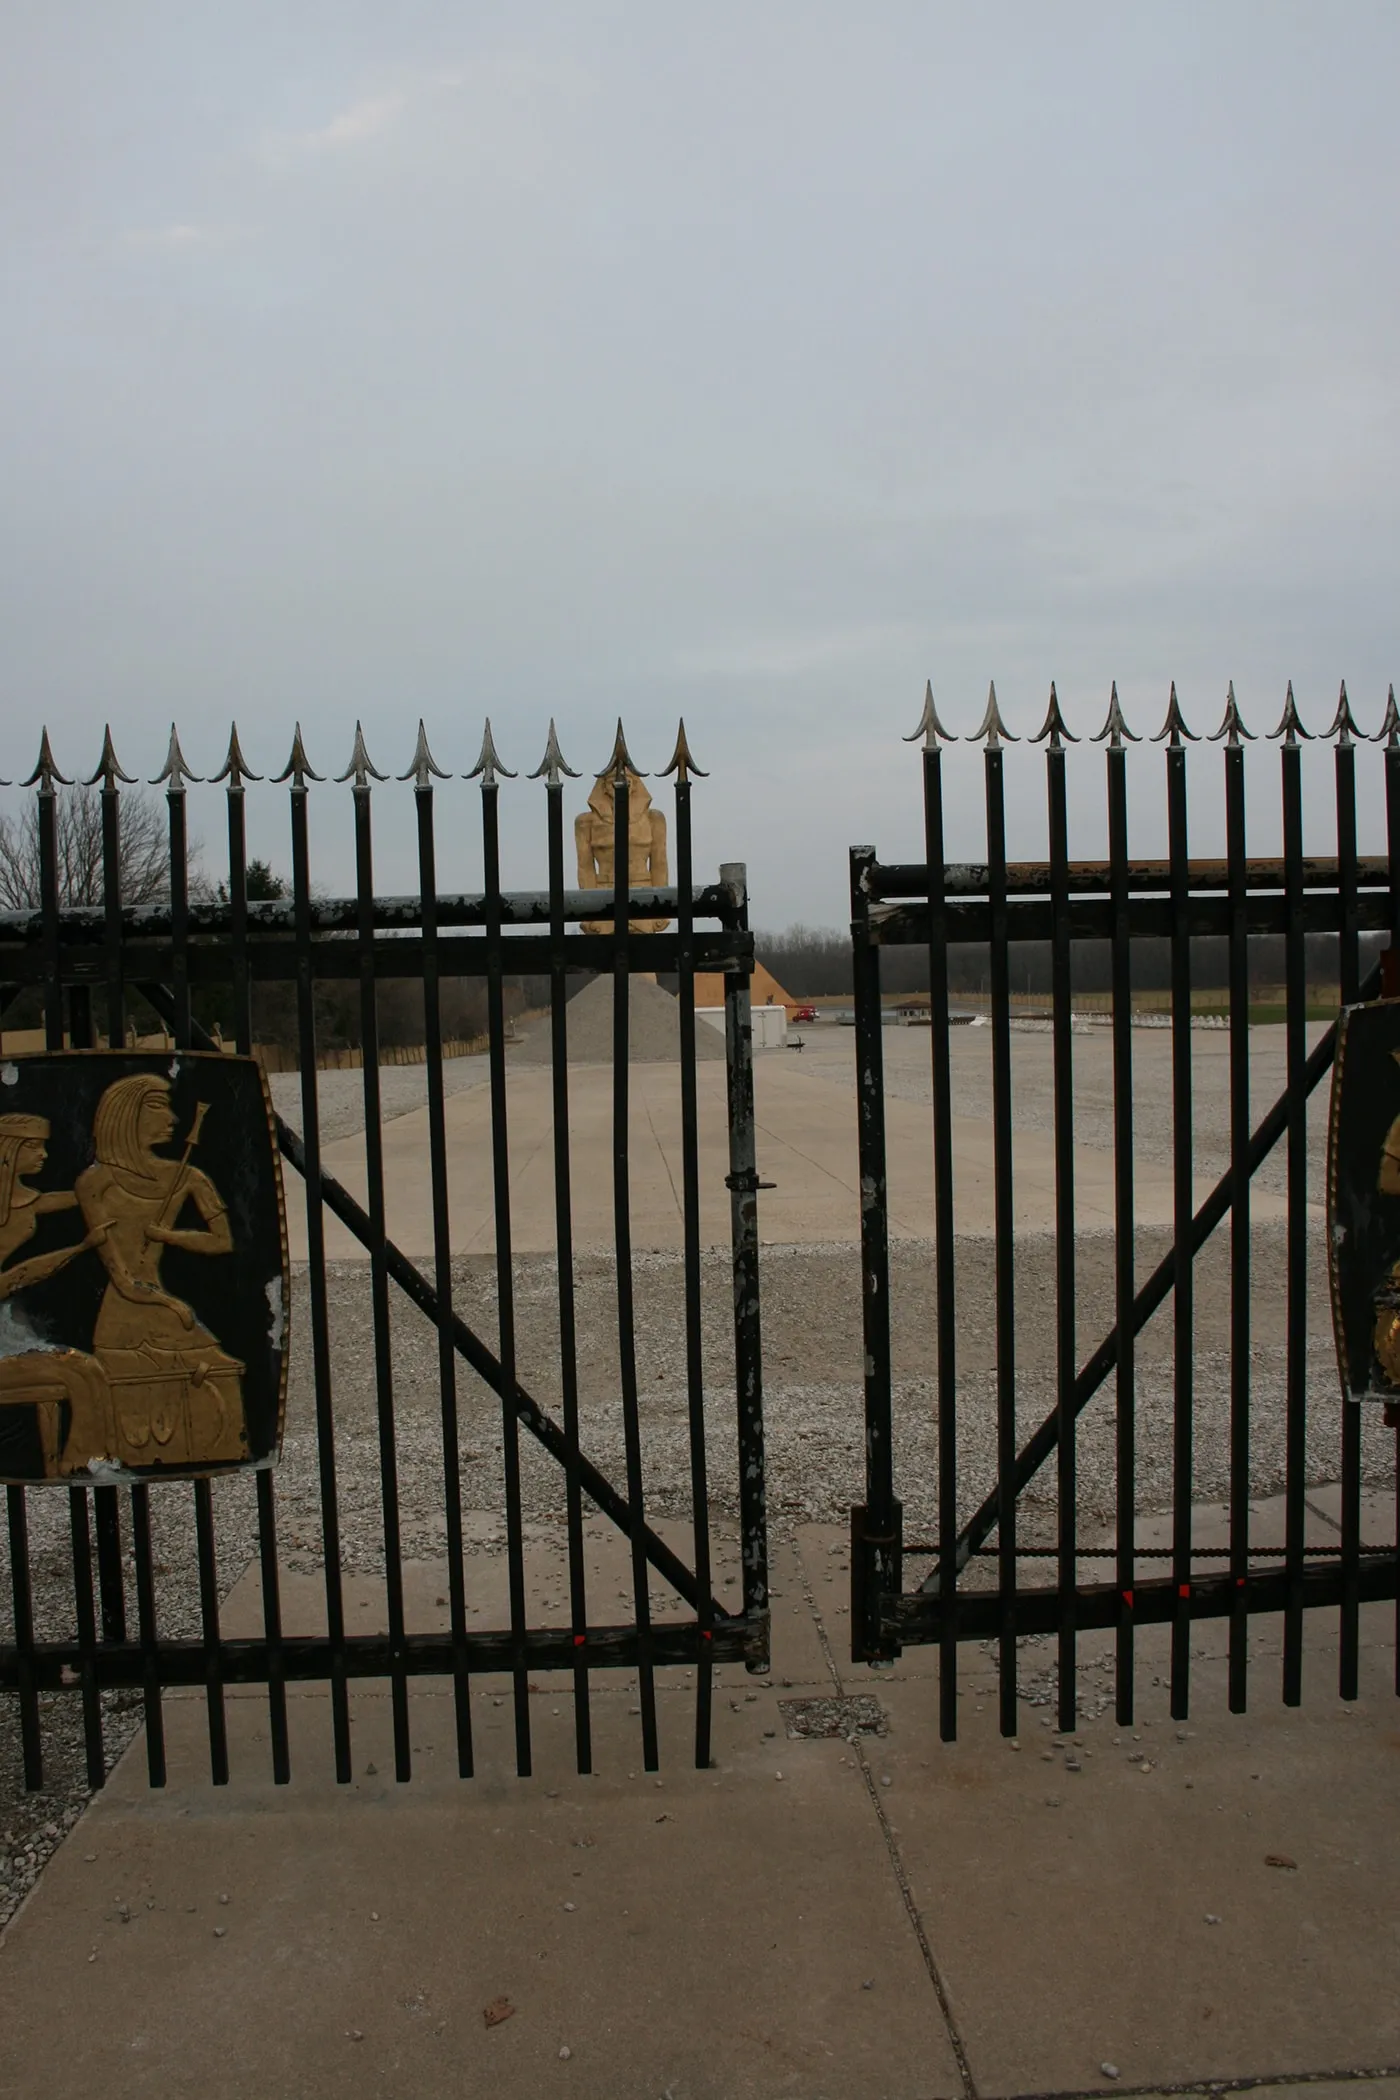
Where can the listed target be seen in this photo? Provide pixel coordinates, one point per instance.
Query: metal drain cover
(817, 1718)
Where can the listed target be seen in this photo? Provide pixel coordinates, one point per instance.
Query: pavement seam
(935, 1975)
(1264, 2081)
(1331, 1522)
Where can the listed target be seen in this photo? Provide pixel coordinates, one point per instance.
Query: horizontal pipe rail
(1092, 918)
(308, 1659)
(919, 1617)
(342, 914)
(274, 960)
(1031, 878)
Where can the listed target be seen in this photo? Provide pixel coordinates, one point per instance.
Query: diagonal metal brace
(415, 1285)
(1157, 1288)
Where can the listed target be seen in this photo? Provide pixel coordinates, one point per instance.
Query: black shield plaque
(143, 1267)
(1363, 1200)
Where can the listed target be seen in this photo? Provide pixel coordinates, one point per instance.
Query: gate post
(876, 1527)
(743, 1184)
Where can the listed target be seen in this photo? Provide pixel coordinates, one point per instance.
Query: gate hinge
(747, 1183)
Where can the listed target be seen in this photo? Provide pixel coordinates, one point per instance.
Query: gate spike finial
(489, 763)
(1290, 728)
(235, 768)
(620, 759)
(553, 766)
(298, 767)
(423, 768)
(1344, 724)
(360, 768)
(682, 763)
(46, 774)
(1115, 731)
(992, 728)
(1174, 728)
(1389, 731)
(1053, 726)
(1232, 726)
(930, 728)
(175, 772)
(109, 770)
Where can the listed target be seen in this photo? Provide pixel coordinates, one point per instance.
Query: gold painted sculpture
(33, 1372)
(1387, 1297)
(177, 1396)
(595, 836)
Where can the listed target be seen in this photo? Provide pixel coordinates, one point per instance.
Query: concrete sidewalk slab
(1134, 1904)
(806, 1146)
(725, 1924)
(673, 1936)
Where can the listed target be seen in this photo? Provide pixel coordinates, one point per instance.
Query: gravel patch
(340, 1096)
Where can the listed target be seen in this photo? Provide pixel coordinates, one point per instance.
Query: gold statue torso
(595, 833)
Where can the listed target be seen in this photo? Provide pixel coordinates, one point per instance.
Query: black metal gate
(89, 956)
(937, 904)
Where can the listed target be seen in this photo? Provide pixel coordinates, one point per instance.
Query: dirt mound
(653, 1029)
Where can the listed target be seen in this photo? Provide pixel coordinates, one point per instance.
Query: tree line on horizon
(812, 962)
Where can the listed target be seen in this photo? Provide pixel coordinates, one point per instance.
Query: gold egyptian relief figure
(594, 834)
(34, 1372)
(177, 1395)
(1387, 1297)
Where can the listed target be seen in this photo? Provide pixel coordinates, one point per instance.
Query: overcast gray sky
(751, 362)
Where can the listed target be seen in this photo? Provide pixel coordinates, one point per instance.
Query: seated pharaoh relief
(62, 1386)
(176, 1393)
(143, 1383)
(595, 834)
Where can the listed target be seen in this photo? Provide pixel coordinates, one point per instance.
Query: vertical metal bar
(442, 1260)
(1065, 1364)
(875, 1560)
(742, 1182)
(1349, 981)
(505, 1281)
(999, 971)
(690, 1220)
(140, 1492)
(944, 1300)
(87, 1636)
(106, 1512)
(146, 1629)
(241, 995)
(316, 1275)
(21, 1581)
(622, 1239)
(205, 1551)
(1125, 1388)
(564, 1250)
(379, 1281)
(1296, 1369)
(1239, 1227)
(77, 1497)
(1183, 1301)
(22, 1601)
(112, 914)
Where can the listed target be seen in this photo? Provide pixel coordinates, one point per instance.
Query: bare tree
(144, 861)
